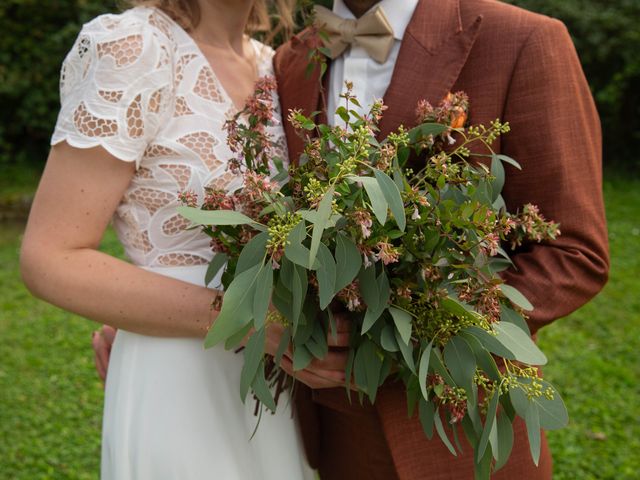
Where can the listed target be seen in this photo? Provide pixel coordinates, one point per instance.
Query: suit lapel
(434, 49)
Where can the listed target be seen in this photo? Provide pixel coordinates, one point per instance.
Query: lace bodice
(137, 85)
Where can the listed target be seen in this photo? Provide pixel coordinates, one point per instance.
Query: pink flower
(350, 295)
(387, 253)
(362, 218)
(188, 198)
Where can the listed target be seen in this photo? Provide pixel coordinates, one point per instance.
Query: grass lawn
(51, 399)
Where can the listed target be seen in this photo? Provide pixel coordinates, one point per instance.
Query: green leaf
(299, 292)
(301, 357)
(532, 421)
(253, 355)
(326, 274)
(253, 252)
(214, 217)
(370, 318)
(510, 161)
(388, 339)
(236, 309)
(460, 361)
(552, 413)
(392, 196)
(217, 262)
(497, 171)
(489, 342)
(261, 389)
(285, 339)
(505, 440)
(488, 425)
(511, 316)
(262, 297)
(402, 320)
(442, 434)
(519, 343)
(423, 370)
(295, 250)
(369, 287)
(439, 367)
(407, 352)
(348, 261)
(516, 297)
(483, 358)
(378, 201)
(368, 360)
(234, 340)
(324, 212)
(426, 411)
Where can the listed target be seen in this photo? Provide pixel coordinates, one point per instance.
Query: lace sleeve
(115, 86)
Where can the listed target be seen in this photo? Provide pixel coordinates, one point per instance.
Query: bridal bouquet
(407, 234)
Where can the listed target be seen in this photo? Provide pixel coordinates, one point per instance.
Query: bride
(144, 97)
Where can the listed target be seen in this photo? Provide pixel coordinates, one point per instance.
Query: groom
(514, 65)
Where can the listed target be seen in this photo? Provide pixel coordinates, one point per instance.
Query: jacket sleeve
(555, 136)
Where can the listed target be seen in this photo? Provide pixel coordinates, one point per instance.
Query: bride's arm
(79, 191)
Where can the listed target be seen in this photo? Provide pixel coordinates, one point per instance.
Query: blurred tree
(36, 36)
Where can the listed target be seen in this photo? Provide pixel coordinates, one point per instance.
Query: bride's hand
(102, 341)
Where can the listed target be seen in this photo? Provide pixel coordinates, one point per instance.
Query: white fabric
(173, 412)
(137, 85)
(370, 78)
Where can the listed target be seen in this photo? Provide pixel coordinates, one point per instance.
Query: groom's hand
(328, 372)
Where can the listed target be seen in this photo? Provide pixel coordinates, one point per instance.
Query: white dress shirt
(370, 78)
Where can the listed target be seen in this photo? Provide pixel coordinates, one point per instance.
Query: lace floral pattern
(138, 85)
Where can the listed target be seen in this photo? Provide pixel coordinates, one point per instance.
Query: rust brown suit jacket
(522, 68)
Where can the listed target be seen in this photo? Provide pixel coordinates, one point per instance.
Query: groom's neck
(360, 7)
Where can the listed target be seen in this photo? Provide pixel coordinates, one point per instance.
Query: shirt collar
(398, 12)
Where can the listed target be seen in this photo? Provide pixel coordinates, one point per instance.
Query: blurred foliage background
(36, 36)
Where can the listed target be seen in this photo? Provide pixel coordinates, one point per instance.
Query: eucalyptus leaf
(505, 440)
(488, 425)
(348, 261)
(370, 318)
(392, 196)
(217, 262)
(262, 297)
(236, 309)
(214, 217)
(407, 353)
(442, 434)
(253, 355)
(423, 370)
(326, 274)
(301, 357)
(253, 253)
(519, 343)
(426, 412)
(497, 171)
(461, 361)
(388, 339)
(516, 297)
(324, 212)
(532, 421)
(261, 389)
(378, 201)
(402, 320)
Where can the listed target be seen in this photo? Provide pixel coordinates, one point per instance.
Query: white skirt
(173, 412)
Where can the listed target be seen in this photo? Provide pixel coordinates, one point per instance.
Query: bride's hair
(187, 15)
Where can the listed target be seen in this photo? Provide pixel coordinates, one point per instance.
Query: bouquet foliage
(407, 234)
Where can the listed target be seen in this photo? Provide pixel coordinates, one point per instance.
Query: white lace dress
(137, 85)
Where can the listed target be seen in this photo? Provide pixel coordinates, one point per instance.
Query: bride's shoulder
(136, 24)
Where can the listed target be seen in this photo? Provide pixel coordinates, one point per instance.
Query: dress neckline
(257, 49)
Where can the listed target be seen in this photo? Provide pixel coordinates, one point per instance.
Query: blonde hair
(187, 14)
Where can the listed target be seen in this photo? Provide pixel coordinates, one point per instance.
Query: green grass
(51, 399)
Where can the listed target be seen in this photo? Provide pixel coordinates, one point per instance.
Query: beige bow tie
(372, 32)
